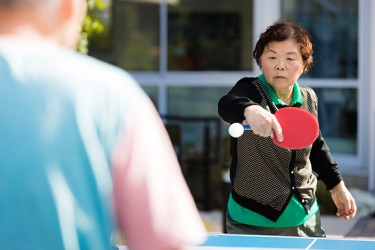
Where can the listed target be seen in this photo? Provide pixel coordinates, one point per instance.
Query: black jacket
(264, 176)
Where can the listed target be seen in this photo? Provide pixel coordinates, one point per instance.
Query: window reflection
(193, 112)
(338, 118)
(133, 43)
(333, 25)
(194, 102)
(137, 31)
(197, 101)
(152, 92)
(210, 35)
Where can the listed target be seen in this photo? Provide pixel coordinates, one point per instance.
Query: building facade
(186, 54)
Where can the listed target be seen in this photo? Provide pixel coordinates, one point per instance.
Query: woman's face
(282, 64)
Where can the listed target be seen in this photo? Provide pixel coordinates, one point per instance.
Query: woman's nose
(280, 65)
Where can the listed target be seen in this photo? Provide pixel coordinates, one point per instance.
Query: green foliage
(92, 25)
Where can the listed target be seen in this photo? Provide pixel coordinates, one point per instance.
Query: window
(201, 35)
(152, 92)
(333, 25)
(175, 38)
(210, 35)
(338, 118)
(188, 53)
(194, 102)
(134, 35)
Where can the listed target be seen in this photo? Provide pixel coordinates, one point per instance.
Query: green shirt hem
(293, 215)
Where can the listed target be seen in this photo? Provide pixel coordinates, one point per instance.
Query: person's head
(56, 20)
(283, 52)
(281, 31)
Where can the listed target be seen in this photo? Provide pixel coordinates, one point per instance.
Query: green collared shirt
(296, 98)
(294, 214)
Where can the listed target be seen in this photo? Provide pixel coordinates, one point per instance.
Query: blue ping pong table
(237, 242)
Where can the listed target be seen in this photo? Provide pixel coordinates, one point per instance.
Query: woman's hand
(344, 201)
(262, 122)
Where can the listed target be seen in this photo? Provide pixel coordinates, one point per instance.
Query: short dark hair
(284, 30)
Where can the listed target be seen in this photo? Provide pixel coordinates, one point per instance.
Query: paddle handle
(246, 127)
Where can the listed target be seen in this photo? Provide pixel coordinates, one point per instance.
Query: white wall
(371, 88)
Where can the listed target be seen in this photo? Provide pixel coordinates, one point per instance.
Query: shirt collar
(296, 98)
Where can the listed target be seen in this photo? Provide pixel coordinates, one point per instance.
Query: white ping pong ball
(236, 130)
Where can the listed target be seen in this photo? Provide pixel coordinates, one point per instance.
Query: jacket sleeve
(232, 105)
(323, 164)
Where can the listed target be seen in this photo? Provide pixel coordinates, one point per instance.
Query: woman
(274, 189)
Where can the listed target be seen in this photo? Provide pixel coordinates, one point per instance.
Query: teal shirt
(294, 214)
(61, 115)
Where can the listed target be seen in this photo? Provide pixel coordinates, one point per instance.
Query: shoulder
(307, 91)
(305, 88)
(248, 83)
(309, 99)
(248, 80)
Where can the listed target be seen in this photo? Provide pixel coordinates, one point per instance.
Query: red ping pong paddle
(300, 128)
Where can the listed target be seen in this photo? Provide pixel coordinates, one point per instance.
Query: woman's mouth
(280, 77)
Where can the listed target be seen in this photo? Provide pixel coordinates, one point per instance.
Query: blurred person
(84, 153)
(274, 189)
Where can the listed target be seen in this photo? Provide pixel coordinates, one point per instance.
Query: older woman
(274, 189)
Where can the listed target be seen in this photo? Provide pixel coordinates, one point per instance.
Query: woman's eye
(290, 59)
